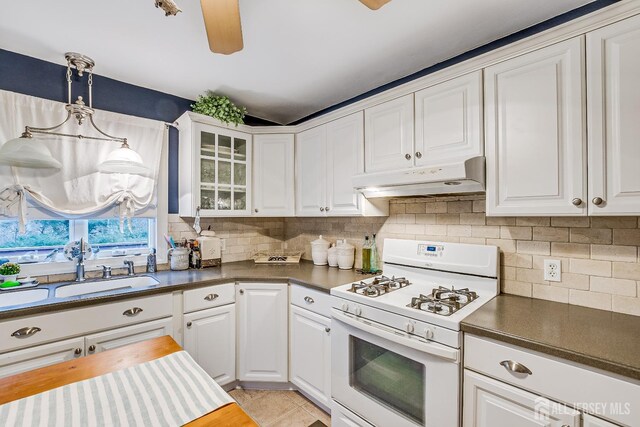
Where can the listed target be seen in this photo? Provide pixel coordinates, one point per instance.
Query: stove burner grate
(443, 301)
(379, 286)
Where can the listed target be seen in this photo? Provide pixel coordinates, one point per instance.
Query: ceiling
(299, 57)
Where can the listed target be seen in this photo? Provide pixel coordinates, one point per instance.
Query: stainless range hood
(466, 176)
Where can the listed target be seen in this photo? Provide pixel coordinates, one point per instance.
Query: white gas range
(396, 338)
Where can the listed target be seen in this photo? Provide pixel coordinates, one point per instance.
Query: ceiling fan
(222, 21)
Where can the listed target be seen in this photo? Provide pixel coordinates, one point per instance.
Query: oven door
(391, 379)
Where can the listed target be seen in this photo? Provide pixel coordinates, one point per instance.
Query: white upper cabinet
(448, 124)
(344, 159)
(613, 91)
(535, 133)
(389, 135)
(310, 171)
(273, 175)
(327, 158)
(215, 168)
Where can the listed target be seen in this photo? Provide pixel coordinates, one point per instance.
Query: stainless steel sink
(9, 298)
(86, 288)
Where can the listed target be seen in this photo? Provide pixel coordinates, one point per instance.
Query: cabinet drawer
(36, 357)
(32, 330)
(209, 297)
(555, 378)
(317, 301)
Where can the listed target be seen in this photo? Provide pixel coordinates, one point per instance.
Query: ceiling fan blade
(222, 21)
(374, 4)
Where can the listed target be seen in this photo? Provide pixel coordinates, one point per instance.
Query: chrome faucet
(78, 253)
(130, 270)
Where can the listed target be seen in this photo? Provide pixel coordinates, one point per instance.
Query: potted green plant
(9, 271)
(219, 107)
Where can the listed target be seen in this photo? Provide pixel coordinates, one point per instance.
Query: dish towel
(170, 391)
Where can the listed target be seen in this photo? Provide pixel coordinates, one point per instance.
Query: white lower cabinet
(262, 331)
(115, 338)
(310, 364)
(39, 356)
(491, 403)
(210, 338)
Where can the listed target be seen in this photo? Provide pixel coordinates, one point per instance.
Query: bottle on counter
(151, 261)
(196, 255)
(374, 255)
(366, 255)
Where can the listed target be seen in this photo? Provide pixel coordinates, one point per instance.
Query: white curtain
(78, 189)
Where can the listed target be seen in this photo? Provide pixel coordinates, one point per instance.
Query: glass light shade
(27, 153)
(123, 160)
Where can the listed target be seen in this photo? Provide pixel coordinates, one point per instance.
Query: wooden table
(50, 377)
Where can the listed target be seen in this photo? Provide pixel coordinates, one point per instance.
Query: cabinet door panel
(210, 338)
(449, 121)
(273, 178)
(536, 151)
(613, 103)
(115, 338)
(344, 160)
(15, 362)
(262, 331)
(591, 421)
(310, 172)
(389, 135)
(310, 345)
(490, 403)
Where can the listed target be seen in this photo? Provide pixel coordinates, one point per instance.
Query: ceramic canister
(320, 251)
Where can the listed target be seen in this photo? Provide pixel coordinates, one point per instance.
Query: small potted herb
(9, 271)
(219, 107)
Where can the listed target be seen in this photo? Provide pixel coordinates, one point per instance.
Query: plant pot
(9, 278)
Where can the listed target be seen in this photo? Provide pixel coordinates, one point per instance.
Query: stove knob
(357, 311)
(345, 307)
(409, 327)
(428, 333)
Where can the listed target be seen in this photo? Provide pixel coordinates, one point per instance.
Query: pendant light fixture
(30, 152)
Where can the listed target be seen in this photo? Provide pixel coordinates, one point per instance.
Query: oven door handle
(398, 337)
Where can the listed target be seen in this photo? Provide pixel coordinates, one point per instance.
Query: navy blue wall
(23, 74)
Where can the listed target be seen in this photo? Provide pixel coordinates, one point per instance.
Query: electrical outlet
(552, 270)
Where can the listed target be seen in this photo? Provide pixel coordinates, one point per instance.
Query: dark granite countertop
(601, 339)
(322, 278)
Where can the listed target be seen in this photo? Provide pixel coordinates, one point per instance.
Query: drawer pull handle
(132, 312)
(26, 332)
(516, 367)
(211, 297)
(308, 300)
(92, 348)
(77, 351)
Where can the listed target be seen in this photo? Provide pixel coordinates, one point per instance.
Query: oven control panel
(430, 250)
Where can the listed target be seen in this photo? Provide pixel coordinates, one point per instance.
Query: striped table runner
(170, 391)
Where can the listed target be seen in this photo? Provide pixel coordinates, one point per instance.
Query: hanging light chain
(69, 75)
(91, 87)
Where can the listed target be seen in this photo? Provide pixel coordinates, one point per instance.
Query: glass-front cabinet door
(224, 163)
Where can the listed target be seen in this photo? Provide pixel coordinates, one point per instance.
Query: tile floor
(279, 408)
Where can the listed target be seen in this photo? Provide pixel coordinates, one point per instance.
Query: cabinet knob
(326, 209)
(189, 324)
(241, 291)
(519, 368)
(576, 202)
(77, 351)
(321, 209)
(597, 201)
(418, 155)
(92, 348)
(407, 156)
(256, 210)
(327, 330)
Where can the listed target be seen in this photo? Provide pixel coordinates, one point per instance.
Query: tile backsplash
(599, 255)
